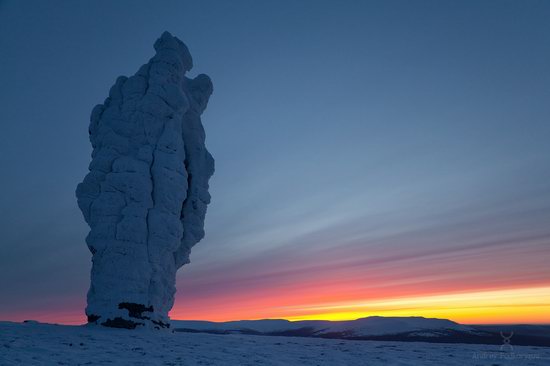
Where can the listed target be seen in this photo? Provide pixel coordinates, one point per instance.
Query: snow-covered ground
(44, 344)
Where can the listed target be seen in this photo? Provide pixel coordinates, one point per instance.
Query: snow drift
(146, 194)
(45, 344)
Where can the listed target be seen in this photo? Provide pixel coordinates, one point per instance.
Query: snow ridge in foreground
(45, 344)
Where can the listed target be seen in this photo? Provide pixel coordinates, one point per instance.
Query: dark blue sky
(332, 124)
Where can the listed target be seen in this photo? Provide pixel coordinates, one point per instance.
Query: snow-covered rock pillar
(146, 194)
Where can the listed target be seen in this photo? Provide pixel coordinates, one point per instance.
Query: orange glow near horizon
(505, 306)
(529, 305)
(491, 282)
(476, 285)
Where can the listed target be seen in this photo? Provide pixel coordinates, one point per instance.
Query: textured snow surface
(373, 325)
(42, 344)
(146, 194)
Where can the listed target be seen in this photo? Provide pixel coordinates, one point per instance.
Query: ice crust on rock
(146, 194)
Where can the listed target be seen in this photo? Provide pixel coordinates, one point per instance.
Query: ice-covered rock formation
(146, 194)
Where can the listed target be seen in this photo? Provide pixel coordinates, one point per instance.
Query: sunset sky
(372, 158)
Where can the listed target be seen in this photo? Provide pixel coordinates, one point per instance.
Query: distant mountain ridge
(374, 325)
(419, 329)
